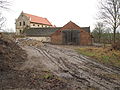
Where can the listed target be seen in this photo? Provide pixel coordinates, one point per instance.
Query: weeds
(102, 55)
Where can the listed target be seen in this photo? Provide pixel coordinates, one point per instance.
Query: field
(103, 55)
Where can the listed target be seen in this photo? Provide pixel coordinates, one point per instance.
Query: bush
(116, 46)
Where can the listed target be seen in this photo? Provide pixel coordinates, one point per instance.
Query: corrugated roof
(41, 31)
(86, 29)
(38, 19)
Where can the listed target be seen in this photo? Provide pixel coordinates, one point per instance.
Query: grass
(47, 76)
(102, 55)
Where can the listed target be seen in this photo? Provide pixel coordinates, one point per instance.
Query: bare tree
(110, 14)
(98, 31)
(4, 4)
(2, 21)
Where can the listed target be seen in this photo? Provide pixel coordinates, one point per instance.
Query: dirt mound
(31, 80)
(11, 55)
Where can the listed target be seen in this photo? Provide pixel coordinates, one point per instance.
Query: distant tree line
(104, 34)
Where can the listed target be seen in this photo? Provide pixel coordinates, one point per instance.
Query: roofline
(45, 27)
(40, 23)
(50, 24)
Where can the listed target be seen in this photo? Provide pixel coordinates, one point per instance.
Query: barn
(72, 34)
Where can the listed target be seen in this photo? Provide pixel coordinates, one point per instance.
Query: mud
(80, 72)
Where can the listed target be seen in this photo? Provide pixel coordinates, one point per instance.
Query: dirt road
(79, 71)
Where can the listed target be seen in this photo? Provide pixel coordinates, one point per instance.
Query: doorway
(71, 37)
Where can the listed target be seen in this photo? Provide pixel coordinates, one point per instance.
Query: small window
(38, 25)
(20, 31)
(33, 24)
(20, 23)
(24, 23)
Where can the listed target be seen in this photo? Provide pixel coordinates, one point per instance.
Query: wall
(85, 37)
(22, 18)
(37, 25)
(42, 39)
(56, 38)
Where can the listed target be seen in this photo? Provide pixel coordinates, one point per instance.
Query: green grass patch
(47, 76)
(102, 55)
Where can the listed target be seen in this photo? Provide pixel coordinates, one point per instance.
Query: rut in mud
(79, 71)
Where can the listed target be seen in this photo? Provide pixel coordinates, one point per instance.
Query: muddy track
(86, 59)
(70, 65)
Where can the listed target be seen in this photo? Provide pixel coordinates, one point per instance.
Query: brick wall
(56, 38)
(85, 37)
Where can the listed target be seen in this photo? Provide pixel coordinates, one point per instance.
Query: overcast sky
(58, 12)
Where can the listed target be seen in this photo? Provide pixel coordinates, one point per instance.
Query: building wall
(85, 37)
(42, 39)
(20, 23)
(37, 25)
(56, 38)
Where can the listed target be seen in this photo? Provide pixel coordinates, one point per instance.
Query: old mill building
(30, 21)
(39, 28)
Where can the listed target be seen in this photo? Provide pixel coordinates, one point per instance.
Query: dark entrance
(71, 37)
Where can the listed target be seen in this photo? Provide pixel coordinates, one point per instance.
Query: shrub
(116, 46)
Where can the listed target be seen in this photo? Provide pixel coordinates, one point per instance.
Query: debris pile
(30, 42)
(11, 55)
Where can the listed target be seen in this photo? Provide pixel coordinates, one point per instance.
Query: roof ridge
(34, 15)
(38, 19)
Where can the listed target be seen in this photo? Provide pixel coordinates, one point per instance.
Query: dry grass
(102, 55)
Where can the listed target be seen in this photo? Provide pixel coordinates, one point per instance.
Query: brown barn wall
(85, 37)
(56, 38)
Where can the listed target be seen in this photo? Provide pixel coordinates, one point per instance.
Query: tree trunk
(114, 35)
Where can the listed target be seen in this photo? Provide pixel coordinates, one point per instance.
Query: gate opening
(71, 37)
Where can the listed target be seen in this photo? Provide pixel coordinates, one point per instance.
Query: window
(20, 23)
(38, 25)
(33, 24)
(24, 23)
(20, 31)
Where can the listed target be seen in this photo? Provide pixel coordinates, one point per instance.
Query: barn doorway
(71, 37)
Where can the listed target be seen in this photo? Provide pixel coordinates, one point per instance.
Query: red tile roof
(38, 19)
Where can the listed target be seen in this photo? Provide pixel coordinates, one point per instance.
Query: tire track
(74, 69)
